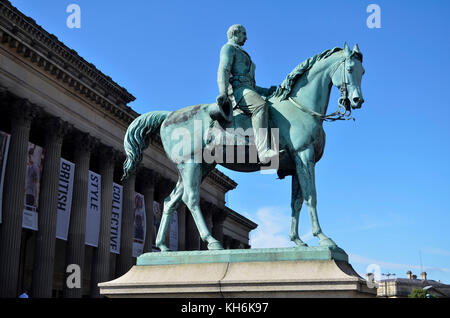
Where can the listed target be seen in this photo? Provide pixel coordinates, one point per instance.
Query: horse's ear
(347, 49)
(356, 49)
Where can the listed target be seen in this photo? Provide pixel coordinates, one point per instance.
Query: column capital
(22, 111)
(55, 128)
(82, 142)
(107, 154)
(148, 178)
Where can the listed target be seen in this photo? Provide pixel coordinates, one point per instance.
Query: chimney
(414, 276)
(423, 275)
(409, 273)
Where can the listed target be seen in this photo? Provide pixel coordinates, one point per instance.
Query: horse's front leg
(305, 164)
(296, 205)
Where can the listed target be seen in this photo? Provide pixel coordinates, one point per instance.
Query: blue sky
(384, 181)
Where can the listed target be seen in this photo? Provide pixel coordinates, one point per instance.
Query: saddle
(232, 127)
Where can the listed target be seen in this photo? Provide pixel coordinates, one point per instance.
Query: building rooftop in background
(403, 287)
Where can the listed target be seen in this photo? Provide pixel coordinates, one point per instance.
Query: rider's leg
(252, 104)
(260, 123)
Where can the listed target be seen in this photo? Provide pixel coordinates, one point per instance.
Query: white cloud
(274, 228)
(358, 259)
(436, 251)
(307, 237)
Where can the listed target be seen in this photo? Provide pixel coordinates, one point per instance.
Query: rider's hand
(222, 99)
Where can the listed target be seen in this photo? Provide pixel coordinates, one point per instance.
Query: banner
(4, 147)
(93, 209)
(116, 218)
(140, 224)
(173, 234)
(65, 190)
(32, 185)
(157, 213)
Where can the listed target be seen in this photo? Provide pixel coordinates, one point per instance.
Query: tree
(418, 293)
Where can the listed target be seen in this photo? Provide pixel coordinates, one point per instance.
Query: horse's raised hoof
(327, 242)
(215, 246)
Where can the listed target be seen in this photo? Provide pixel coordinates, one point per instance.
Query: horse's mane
(285, 88)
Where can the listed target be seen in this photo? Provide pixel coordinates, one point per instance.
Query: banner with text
(65, 190)
(140, 224)
(4, 147)
(116, 218)
(93, 209)
(35, 160)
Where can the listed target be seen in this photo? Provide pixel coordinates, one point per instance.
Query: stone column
(234, 244)
(192, 235)
(100, 259)
(149, 179)
(22, 114)
(44, 251)
(83, 144)
(124, 261)
(219, 217)
(182, 210)
(226, 242)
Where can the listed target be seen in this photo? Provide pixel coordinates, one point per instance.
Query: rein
(342, 112)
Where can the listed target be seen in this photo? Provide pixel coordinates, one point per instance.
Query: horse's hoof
(327, 242)
(163, 248)
(215, 246)
(300, 243)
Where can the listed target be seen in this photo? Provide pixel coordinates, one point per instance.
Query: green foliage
(418, 293)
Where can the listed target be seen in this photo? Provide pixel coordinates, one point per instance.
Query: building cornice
(21, 34)
(221, 179)
(233, 215)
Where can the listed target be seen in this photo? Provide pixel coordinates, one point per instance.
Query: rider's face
(241, 37)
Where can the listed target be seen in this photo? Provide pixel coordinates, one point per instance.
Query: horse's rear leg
(296, 205)
(170, 205)
(192, 175)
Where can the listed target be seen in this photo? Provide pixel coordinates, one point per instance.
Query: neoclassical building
(62, 123)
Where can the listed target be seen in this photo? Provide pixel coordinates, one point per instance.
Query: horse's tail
(137, 138)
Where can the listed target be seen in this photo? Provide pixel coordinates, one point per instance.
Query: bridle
(343, 112)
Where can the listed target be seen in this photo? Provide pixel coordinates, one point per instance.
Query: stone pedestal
(282, 272)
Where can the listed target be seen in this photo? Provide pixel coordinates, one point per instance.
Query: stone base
(234, 275)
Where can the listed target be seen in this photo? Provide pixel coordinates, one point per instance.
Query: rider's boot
(260, 119)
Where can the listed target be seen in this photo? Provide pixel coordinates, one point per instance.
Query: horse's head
(347, 77)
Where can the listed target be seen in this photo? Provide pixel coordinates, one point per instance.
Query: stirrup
(266, 158)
